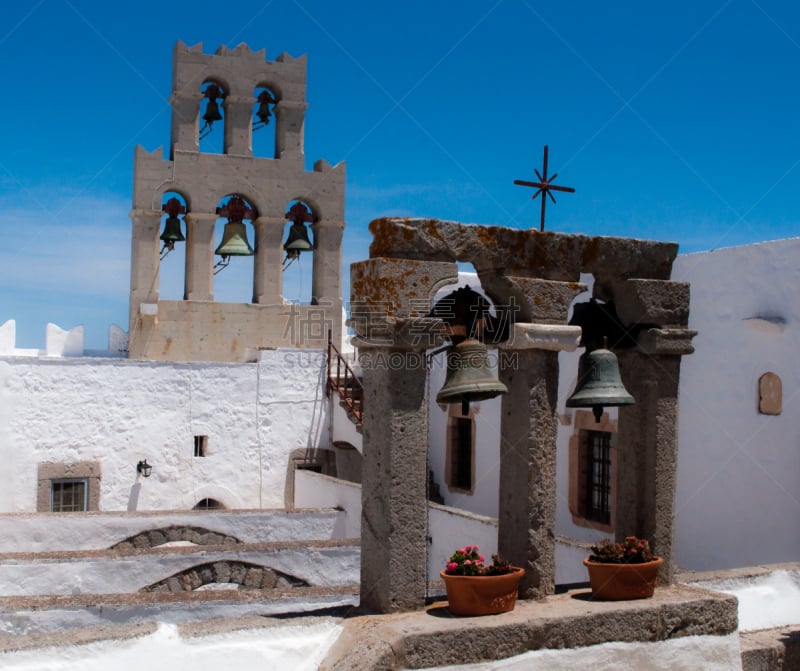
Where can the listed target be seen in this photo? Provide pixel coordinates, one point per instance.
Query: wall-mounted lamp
(144, 468)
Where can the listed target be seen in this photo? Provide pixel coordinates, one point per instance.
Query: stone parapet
(570, 620)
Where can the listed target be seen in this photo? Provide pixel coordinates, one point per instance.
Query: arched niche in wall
(264, 122)
(211, 125)
(234, 250)
(209, 504)
(298, 248)
(171, 273)
(770, 394)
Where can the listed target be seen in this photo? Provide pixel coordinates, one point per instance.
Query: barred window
(69, 496)
(597, 476)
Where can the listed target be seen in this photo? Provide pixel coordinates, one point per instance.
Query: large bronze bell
(599, 383)
(468, 376)
(234, 241)
(297, 241)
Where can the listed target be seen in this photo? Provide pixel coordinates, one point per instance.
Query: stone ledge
(771, 649)
(75, 601)
(124, 551)
(436, 638)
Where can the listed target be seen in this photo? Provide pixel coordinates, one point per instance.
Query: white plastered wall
(738, 493)
(118, 412)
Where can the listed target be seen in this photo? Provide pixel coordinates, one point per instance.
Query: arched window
(264, 122)
(209, 504)
(173, 246)
(212, 118)
(234, 251)
(298, 247)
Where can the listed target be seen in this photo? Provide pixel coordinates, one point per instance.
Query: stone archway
(247, 576)
(155, 537)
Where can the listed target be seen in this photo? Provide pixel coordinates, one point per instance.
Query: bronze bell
(468, 376)
(599, 383)
(297, 241)
(172, 232)
(212, 113)
(234, 241)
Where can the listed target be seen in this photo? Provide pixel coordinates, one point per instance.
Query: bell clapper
(222, 264)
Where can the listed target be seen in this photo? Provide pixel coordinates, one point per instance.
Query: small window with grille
(69, 495)
(596, 474)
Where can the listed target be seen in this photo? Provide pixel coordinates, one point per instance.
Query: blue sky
(676, 121)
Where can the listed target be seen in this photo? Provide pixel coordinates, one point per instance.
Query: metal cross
(544, 186)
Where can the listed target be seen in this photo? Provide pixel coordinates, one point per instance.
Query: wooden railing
(343, 380)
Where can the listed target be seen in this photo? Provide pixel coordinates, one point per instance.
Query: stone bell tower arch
(198, 327)
(410, 259)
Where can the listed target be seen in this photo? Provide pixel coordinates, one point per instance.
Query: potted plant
(625, 570)
(476, 588)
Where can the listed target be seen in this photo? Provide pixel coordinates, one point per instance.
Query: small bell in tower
(599, 383)
(297, 240)
(172, 226)
(212, 112)
(234, 237)
(265, 99)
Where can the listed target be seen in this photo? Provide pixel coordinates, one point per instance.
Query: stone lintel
(666, 342)
(553, 337)
(655, 302)
(397, 287)
(523, 253)
(381, 332)
(533, 299)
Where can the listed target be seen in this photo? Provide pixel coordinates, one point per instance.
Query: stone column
(394, 503)
(268, 263)
(326, 280)
(647, 449)
(185, 111)
(145, 250)
(289, 128)
(199, 256)
(238, 125)
(528, 432)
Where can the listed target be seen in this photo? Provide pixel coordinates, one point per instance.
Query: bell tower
(194, 193)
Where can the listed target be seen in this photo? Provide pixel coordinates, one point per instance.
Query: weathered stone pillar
(394, 472)
(389, 301)
(199, 256)
(145, 253)
(529, 425)
(289, 129)
(185, 110)
(647, 453)
(238, 125)
(268, 263)
(145, 225)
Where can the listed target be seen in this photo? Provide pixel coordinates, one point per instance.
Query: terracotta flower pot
(616, 582)
(482, 595)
